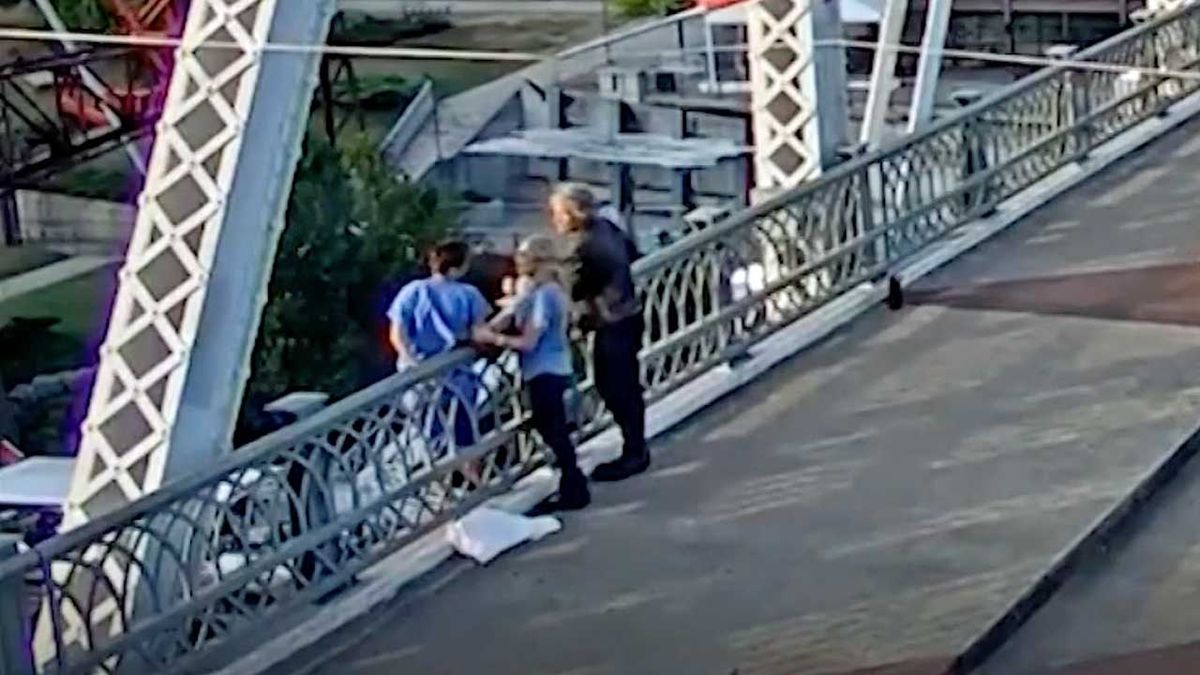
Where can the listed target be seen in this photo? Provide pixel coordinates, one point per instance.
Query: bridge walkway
(876, 502)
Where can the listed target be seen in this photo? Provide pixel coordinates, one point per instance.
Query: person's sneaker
(621, 468)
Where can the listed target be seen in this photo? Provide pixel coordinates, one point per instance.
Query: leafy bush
(31, 347)
(353, 28)
(380, 92)
(88, 15)
(640, 8)
(354, 233)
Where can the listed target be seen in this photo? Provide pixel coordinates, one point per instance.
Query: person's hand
(508, 286)
(484, 335)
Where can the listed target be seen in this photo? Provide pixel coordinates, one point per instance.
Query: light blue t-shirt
(435, 315)
(547, 310)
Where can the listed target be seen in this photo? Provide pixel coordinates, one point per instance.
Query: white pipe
(883, 73)
(937, 21)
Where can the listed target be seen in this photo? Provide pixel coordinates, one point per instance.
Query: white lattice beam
(797, 91)
(798, 110)
(174, 361)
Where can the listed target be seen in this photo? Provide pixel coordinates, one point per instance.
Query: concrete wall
(73, 224)
(23, 15)
(494, 177)
(723, 182)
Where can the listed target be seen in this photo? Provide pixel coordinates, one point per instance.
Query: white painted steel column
(929, 67)
(710, 58)
(797, 92)
(175, 358)
(798, 109)
(883, 72)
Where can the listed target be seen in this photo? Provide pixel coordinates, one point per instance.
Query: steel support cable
(1006, 59)
(434, 53)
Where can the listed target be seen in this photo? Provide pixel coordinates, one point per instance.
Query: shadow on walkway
(1165, 294)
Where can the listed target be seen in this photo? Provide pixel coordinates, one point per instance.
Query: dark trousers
(619, 381)
(550, 419)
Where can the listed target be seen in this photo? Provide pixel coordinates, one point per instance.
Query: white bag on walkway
(485, 533)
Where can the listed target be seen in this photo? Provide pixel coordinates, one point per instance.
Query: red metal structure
(716, 4)
(135, 96)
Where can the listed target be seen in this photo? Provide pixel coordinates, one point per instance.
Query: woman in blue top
(542, 317)
(432, 316)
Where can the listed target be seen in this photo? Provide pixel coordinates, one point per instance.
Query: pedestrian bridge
(889, 490)
(882, 498)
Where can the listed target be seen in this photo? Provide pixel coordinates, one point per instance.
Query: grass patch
(80, 305)
(21, 259)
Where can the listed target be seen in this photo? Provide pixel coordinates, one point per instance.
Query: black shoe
(622, 468)
(559, 503)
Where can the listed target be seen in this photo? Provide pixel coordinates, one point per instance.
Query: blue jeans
(457, 402)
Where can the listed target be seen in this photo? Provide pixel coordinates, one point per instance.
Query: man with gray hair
(599, 278)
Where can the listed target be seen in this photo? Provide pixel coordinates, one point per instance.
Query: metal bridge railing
(181, 576)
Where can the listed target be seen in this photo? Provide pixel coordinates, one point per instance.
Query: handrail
(292, 515)
(420, 108)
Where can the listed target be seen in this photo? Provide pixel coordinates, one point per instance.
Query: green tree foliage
(83, 14)
(352, 228)
(641, 8)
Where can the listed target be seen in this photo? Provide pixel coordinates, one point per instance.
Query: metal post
(437, 125)
(622, 196)
(929, 68)
(327, 102)
(16, 657)
(710, 50)
(10, 218)
(883, 73)
(604, 31)
(1081, 109)
(557, 120)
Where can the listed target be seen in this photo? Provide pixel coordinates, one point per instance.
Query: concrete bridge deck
(876, 502)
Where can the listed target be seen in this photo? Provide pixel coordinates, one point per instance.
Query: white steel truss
(798, 112)
(190, 292)
(796, 132)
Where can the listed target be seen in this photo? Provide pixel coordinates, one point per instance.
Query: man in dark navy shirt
(600, 280)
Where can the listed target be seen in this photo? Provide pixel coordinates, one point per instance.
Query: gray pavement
(877, 501)
(1130, 607)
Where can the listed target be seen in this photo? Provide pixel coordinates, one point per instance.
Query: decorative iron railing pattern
(286, 520)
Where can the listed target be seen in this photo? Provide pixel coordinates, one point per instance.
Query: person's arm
(582, 268)
(402, 351)
(397, 315)
(523, 341)
(531, 328)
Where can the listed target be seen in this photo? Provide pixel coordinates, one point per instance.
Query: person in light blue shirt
(541, 314)
(432, 316)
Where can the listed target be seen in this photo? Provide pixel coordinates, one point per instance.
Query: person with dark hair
(600, 280)
(432, 316)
